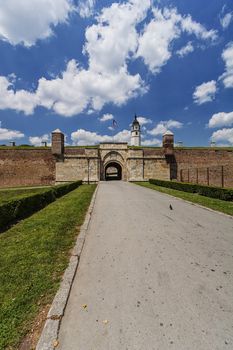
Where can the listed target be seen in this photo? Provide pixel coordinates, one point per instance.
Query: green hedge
(208, 191)
(18, 209)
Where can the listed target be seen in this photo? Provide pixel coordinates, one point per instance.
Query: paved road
(151, 277)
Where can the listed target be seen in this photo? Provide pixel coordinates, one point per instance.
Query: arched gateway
(113, 171)
(111, 160)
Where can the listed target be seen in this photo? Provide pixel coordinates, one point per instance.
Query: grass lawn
(34, 255)
(216, 204)
(7, 195)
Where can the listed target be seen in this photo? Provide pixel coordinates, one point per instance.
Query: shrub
(17, 209)
(207, 191)
(61, 190)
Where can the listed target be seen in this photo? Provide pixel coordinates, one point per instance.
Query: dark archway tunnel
(113, 171)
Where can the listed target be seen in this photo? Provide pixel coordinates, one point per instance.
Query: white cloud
(185, 50)
(107, 79)
(86, 8)
(7, 134)
(21, 101)
(83, 137)
(90, 111)
(106, 117)
(221, 119)
(227, 56)
(223, 135)
(109, 47)
(205, 92)
(122, 136)
(144, 121)
(192, 27)
(163, 126)
(113, 40)
(37, 140)
(155, 44)
(152, 142)
(79, 89)
(226, 20)
(26, 21)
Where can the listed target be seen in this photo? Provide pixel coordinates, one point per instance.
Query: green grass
(212, 203)
(34, 255)
(7, 195)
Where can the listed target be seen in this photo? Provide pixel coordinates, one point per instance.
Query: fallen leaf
(55, 317)
(55, 343)
(85, 306)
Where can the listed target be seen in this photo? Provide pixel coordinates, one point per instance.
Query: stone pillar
(57, 143)
(168, 142)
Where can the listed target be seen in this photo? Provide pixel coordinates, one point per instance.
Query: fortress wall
(31, 167)
(205, 166)
(26, 167)
(228, 175)
(156, 152)
(74, 151)
(78, 164)
(135, 169)
(73, 169)
(156, 169)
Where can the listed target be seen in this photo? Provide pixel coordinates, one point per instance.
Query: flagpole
(114, 125)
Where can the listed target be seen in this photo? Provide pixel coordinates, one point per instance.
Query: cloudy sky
(78, 65)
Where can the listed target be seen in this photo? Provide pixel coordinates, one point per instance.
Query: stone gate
(91, 163)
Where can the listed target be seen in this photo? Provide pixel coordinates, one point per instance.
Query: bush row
(18, 209)
(208, 191)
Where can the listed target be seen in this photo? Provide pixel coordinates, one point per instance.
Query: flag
(114, 123)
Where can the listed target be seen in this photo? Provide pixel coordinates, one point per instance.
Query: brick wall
(21, 167)
(205, 166)
(75, 151)
(26, 167)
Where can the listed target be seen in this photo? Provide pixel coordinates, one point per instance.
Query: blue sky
(77, 65)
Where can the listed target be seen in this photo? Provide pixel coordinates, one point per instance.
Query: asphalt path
(151, 277)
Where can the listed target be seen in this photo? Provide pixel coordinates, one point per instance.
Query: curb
(49, 335)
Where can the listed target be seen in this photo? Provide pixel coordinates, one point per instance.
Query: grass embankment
(7, 195)
(34, 255)
(212, 203)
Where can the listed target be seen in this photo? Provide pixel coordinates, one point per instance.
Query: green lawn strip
(34, 255)
(212, 203)
(12, 194)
